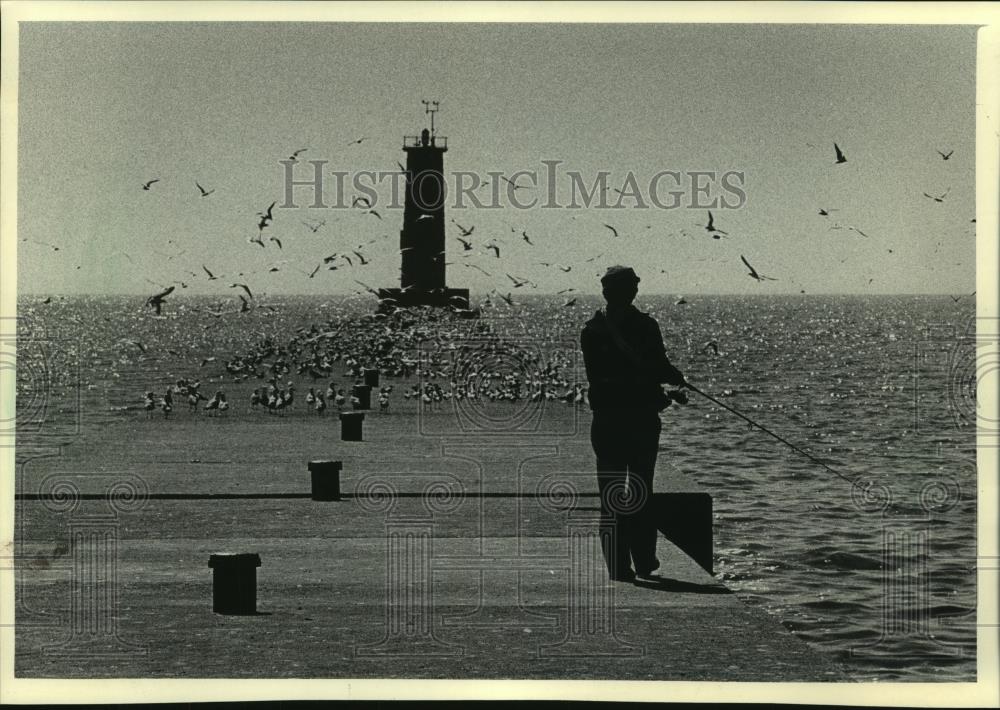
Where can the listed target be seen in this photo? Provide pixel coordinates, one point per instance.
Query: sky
(107, 107)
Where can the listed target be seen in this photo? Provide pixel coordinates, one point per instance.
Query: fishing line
(768, 431)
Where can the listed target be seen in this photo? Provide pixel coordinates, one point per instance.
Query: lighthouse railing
(414, 142)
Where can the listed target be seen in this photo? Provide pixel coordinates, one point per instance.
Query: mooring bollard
(350, 425)
(234, 582)
(325, 479)
(371, 377)
(364, 395)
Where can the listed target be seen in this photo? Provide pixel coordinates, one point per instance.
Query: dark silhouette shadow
(665, 584)
(289, 496)
(626, 363)
(179, 496)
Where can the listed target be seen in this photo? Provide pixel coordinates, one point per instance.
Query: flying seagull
(613, 230)
(55, 248)
(495, 249)
(204, 192)
(711, 228)
(473, 266)
(466, 246)
(753, 271)
(513, 184)
(358, 141)
(518, 283)
(945, 157)
(940, 198)
(361, 200)
(266, 217)
(145, 186)
(211, 276)
(297, 153)
(840, 154)
(156, 301)
(851, 228)
(244, 287)
(524, 235)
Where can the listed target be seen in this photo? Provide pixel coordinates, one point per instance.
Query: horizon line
(672, 294)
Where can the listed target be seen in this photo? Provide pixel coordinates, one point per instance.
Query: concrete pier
(405, 580)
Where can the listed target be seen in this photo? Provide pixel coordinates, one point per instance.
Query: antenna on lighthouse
(428, 109)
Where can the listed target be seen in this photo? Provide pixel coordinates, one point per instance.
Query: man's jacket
(626, 380)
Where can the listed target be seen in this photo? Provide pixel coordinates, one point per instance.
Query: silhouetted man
(626, 363)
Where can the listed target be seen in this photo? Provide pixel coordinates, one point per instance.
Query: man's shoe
(645, 572)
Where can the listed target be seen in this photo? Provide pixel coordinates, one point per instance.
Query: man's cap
(619, 273)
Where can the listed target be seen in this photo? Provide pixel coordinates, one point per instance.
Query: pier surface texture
(442, 558)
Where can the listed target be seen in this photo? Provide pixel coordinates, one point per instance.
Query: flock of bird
(493, 245)
(471, 244)
(435, 345)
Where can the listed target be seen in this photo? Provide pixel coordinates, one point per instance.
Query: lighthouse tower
(422, 239)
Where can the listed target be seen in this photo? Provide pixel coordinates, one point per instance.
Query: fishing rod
(767, 431)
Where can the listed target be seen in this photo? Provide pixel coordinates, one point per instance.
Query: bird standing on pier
(148, 404)
(212, 406)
